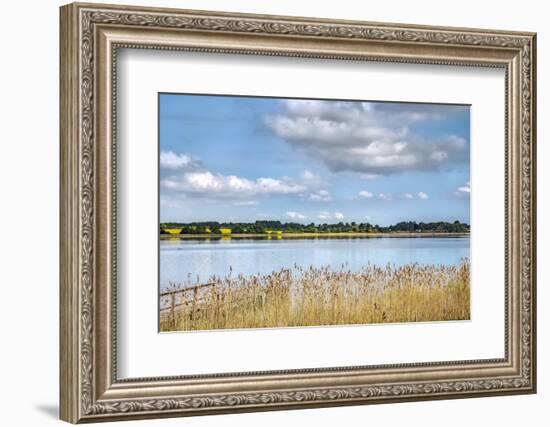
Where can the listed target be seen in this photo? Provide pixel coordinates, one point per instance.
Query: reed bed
(321, 296)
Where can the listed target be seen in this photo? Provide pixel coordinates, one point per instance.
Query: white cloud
(187, 176)
(423, 196)
(407, 196)
(295, 215)
(370, 176)
(308, 175)
(439, 156)
(372, 139)
(245, 203)
(366, 194)
(463, 190)
(206, 183)
(277, 186)
(320, 196)
(171, 160)
(325, 215)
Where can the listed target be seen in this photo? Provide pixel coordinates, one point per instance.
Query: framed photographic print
(265, 212)
(287, 237)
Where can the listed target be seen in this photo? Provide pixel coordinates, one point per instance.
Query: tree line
(262, 227)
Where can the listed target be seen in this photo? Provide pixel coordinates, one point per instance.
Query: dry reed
(320, 296)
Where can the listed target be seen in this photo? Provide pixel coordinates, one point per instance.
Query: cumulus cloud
(325, 215)
(385, 196)
(391, 196)
(320, 196)
(423, 196)
(406, 196)
(245, 203)
(369, 138)
(295, 215)
(366, 194)
(463, 190)
(186, 176)
(206, 183)
(309, 176)
(370, 176)
(174, 161)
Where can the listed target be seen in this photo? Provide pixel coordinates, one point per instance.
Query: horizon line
(306, 223)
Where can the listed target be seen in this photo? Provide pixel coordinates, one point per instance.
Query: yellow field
(174, 231)
(321, 296)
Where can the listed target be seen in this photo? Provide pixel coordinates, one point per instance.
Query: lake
(181, 261)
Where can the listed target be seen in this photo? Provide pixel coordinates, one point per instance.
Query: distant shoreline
(309, 235)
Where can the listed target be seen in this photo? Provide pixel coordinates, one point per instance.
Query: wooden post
(193, 304)
(173, 309)
(218, 302)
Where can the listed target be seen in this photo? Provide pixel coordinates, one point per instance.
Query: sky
(243, 159)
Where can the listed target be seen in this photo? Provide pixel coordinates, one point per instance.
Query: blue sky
(229, 158)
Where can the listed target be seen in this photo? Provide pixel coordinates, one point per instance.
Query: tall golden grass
(321, 296)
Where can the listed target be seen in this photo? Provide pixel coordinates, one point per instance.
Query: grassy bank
(307, 235)
(321, 296)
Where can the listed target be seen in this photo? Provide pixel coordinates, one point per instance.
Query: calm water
(180, 259)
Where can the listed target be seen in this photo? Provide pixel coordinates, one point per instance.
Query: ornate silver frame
(90, 36)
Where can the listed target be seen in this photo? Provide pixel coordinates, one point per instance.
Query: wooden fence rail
(183, 290)
(171, 305)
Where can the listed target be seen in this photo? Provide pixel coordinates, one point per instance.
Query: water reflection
(220, 256)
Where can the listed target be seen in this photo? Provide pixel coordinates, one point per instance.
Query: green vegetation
(279, 228)
(320, 296)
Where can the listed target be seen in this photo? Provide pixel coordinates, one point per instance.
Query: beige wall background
(29, 170)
